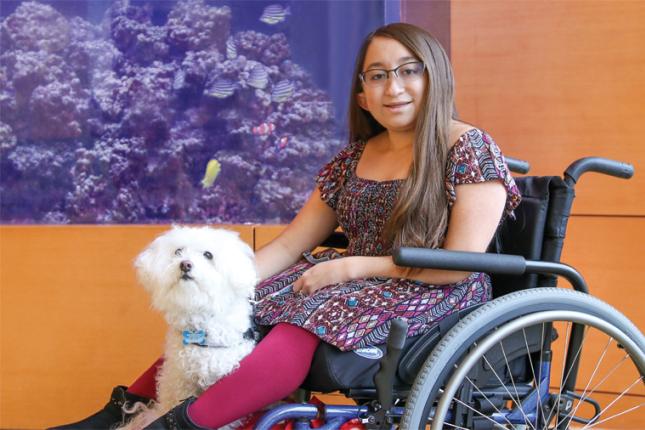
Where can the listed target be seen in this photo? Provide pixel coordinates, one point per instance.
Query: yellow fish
(212, 170)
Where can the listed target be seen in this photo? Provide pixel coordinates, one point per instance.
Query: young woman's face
(394, 102)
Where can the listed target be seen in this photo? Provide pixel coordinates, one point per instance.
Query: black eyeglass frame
(395, 70)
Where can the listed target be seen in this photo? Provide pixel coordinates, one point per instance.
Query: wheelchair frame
(441, 378)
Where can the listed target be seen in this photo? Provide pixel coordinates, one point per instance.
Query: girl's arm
(473, 220)
(313, 224)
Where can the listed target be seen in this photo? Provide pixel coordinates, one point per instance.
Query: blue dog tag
(197, 337)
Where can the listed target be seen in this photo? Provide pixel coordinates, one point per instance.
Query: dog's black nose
(185, 266)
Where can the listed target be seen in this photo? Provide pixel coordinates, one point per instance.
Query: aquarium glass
(189, 111)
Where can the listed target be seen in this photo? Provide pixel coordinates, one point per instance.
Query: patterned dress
(357, 313)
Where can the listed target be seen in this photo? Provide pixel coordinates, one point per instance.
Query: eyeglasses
(408, 72)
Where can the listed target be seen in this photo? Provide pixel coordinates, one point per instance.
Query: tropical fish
(274, 14)
(212, 170)
(282, 142)
(222, 88)
(180, 80)
(263, 129)
(259, 77)
(231, 49)
(282, 91)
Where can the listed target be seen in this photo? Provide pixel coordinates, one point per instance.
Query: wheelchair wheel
(513, 364)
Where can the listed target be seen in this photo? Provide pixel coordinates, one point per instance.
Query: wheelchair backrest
(536, 232)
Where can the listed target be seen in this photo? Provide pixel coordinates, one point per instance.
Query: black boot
(112, 414)
(176, 419)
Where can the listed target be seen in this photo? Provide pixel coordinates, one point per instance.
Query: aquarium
(189, 111)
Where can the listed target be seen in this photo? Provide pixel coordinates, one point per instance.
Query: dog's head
(195, 270)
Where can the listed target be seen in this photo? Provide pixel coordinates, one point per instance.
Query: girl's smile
(398, 106)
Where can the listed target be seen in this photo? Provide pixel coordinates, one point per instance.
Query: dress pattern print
(357, 313)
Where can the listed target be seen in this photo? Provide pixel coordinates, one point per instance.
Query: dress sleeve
(477, 158)
(332, 176)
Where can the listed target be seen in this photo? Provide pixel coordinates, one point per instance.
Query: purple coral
(270, 50)
(116, 122)
(194, 26)
(35, 27)
(99, 174)
(58, 110)
(35, 180)
(7, 138)
(133, 33)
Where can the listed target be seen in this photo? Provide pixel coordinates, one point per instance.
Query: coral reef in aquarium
(128, 121)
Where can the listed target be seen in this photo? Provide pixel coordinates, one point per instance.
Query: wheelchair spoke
(588, 392)
(594, 382)
(620, 396)
(559, 397)
(479, 412)
(584, 394)
(485, 397)
(515, 400)
(537, 381)
(609, 373)
(563, 377)
(453, 426)
(510, 374)
(613, 416)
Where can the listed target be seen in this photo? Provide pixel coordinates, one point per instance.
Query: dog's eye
(208, 255)
(178, 251)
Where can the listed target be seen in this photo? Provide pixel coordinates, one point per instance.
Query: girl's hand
(323, 274)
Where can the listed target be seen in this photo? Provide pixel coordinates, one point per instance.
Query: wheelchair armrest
(503, 264)
(459, 260)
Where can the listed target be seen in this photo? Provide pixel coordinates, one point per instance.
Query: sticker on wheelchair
(369, 352)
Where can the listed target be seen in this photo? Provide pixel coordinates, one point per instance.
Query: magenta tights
(275, 368)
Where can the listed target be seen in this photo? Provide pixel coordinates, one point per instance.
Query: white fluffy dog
(202, 281)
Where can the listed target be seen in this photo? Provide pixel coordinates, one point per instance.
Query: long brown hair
(420, 216)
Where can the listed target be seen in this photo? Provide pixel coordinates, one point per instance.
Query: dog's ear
(243, 273)
(145, 263)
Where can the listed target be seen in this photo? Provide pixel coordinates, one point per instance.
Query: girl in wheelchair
(411, 175)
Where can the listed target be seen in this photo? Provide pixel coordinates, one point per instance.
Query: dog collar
(200, 338)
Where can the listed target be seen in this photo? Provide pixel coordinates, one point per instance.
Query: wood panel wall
(556, 81)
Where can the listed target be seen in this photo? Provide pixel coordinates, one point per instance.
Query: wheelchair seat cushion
(336, 370)
(357, 314)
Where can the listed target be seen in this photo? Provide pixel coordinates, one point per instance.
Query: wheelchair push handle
(517, 166)
(599, 165)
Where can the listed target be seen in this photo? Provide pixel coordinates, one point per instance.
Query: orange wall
(555, 81)
(559, 80)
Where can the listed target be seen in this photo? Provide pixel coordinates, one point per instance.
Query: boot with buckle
(112, 414)
(176, 419)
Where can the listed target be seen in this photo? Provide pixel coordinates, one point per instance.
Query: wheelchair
(534, 357)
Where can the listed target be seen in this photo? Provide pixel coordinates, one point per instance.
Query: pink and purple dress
(356, 314)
